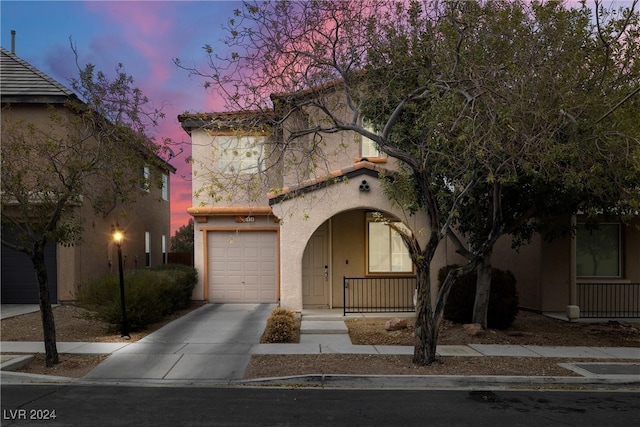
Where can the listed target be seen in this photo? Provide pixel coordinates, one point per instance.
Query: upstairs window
(598, 251)
(387, 252)
(368, 147)
(165, 186)
(145, 182)
(240, 154)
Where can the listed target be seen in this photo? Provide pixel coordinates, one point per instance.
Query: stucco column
(293, 239)
(291, 276)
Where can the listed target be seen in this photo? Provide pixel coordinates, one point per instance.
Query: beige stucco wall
(525, 264)
(96, 255)
(210, 187)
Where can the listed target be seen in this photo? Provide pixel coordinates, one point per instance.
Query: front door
(315, 269)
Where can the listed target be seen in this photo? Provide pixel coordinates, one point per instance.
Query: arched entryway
(344, 202)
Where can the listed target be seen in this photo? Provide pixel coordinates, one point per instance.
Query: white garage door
(243, 266)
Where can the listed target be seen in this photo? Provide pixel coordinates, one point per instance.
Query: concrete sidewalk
(215, 342)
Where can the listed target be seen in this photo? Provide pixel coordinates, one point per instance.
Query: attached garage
(242, 266)
(19, 283)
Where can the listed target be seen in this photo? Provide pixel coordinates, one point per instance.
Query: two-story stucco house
(28, 94)
(306, 235)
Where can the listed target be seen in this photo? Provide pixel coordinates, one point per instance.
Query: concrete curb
(15, 362)
(401, 382)
(9, 377)
(369, 382)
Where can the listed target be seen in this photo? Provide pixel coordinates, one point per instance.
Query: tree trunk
(426, 328)
(483, 290)
(46, 313)
(427, 318)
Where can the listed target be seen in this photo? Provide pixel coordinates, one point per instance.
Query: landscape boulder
(472, 329)
(395, 324)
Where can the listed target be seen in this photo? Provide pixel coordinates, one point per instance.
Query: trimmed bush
(184, 279)
(503, 298)
(281, 326)
(150, 295)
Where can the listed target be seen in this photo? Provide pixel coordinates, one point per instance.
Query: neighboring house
(27, 93)
(307, 236)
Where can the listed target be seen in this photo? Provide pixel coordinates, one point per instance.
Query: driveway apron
(210, 343)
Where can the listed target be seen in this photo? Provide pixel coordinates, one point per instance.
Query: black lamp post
(118, 238)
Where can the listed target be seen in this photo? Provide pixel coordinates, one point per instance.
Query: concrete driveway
(210, 343)
(12, 310)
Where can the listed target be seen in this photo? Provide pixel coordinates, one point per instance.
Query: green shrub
(503, 298)
(150, 295)
(184, 280)
(281, 326)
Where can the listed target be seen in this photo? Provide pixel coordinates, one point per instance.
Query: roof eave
(34, 99)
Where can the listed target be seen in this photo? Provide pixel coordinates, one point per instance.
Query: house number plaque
(243, 219)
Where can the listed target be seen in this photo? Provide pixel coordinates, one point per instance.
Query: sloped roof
(22, 82)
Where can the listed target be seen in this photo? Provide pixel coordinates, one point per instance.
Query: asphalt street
(101, 405)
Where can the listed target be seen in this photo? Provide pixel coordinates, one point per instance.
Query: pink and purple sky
(142, 35)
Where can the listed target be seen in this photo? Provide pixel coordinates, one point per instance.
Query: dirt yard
(74, 325)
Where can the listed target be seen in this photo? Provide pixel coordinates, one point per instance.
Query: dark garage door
(19, 284)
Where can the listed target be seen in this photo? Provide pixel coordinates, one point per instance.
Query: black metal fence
(609, 299)
(185, 258)
(378, 294)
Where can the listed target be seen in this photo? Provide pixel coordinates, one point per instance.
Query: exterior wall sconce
(364, 186)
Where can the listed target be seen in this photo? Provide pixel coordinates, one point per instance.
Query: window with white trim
(239, 154)
(145, 183)
(165, 186)
(164, 249)
(368, 147)
(599, 250)
(147, 249)
(387, 252)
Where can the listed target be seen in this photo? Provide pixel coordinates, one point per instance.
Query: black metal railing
(378, 294)
(609, 299)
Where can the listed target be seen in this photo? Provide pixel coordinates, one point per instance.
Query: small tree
(182, 241)
(89, 149)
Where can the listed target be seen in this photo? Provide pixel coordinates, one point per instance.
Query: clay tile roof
(226, 119)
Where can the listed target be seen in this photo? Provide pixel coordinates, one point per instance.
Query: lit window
(368, 148)
(240, 154)
(598, 251)
(387, 251)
